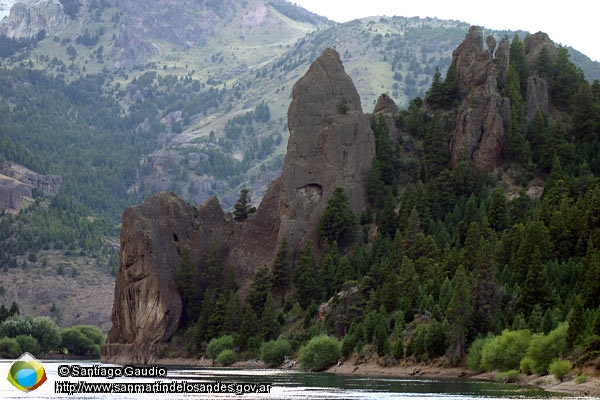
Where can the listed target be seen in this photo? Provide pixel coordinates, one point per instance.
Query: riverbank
(590, 388)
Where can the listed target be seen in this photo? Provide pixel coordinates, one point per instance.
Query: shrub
(10, 348)
(319, 353)
(226, 357)
(545, 348)
(581, 379)
(527, 365)
(474, 354)
(560, 369)
(46, 332)
(273, 352)
(511, 376)
(83, 340)
(217, 345)
(348, 345)
(28, 344)
(505, 351)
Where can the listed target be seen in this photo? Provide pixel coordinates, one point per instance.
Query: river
(281, 384)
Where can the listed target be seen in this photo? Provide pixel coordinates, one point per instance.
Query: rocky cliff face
(331, 144)
(29, 18)
(483, 114)
(17, 183)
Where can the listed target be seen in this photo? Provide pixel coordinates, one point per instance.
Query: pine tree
(185, 280)
(567, 79)
(535, 290)
(269, 325)
(590, 277)
(387, 218)
(498, 212)
(281, 267)
(338, 222)
(435, 147)
(459, 312)
(259, 290)
(585, 116)
(217, 320)
(450, 86)
(249, 328)
(308, 283)
(435, 94)
(576, 322)
(233, 314)
(242, 208)
(544, 65)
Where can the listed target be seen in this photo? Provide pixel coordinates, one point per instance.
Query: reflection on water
(285, 385)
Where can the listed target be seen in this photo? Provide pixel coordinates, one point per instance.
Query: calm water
(285, 385)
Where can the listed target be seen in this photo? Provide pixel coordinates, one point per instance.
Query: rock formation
(17, 183)
(331, 144)
(483, 114)
(29, 18)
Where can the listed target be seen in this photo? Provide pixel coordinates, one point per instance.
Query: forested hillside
(121, 111)
(494, 269)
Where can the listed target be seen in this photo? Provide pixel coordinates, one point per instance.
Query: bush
(560, 369)
(319, 353)
(474, 354)
(226, 357)
(28, 344)
(273, 352)
(581, 379)
(545, 348)
(511, 376)
(46, 332)
(217, 345)
(505, 351)
(10, 348)
(527, 365)
(83, 340)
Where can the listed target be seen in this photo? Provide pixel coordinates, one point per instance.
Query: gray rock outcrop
(29, 18)
(483, 114)
(331, 144)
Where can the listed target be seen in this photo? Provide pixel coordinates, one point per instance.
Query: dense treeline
(447, 262)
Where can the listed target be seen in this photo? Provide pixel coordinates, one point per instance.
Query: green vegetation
(273, 352)
(560, 369)
(319, 353)
(83, 340)
(226, 357)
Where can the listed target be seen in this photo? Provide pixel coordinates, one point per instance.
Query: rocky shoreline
(590, 389)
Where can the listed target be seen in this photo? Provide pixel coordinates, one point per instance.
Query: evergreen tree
(308, 283)
(242, 208)
(590, 277)
(544, 65)
(411, 230)
(259, 290)
(281, 267)
(459, 313)
(435, 147)
(498, 212)
(450, 86)
(269, 325)
(515, 142)
(387, 218)
(249, 328)
(567, 79)
(338, 222)
(518, 61)
(576, 322)
(185, 280)
(217, 320)
(435, 94)
(233, 314)
(585, 114)
(535, 290)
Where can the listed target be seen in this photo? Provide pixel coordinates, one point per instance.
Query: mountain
(127, 99)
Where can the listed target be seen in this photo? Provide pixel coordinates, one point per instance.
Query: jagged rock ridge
(17, 183)
(331, 144)
(29, 18)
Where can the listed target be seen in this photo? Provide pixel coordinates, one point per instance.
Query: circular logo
(27, 373)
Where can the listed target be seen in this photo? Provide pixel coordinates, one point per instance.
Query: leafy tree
(319, 353)
(226, 357)
(338, 222)
(82, 340)
(10, 348)
(242, 208)
(46, 332)
(29, 344)
(217, 345)
(273, 352)
(505, 351)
